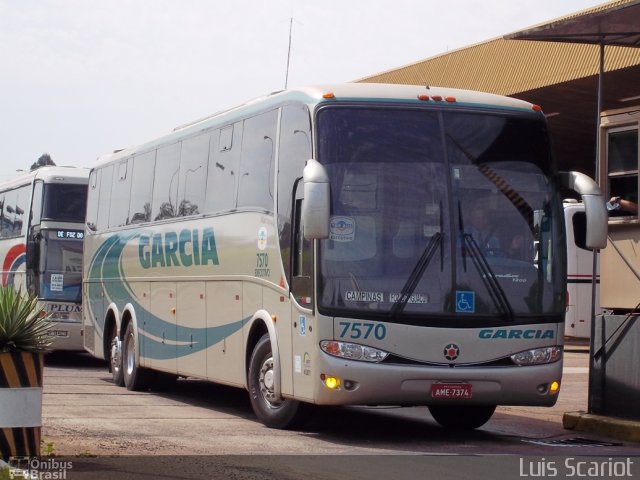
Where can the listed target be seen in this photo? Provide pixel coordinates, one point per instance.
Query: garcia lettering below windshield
(438, 215)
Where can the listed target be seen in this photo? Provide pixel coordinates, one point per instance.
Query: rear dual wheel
(114, 354)
(135, 377)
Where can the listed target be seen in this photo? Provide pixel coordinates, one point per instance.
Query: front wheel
(272, 411)
(462, 417)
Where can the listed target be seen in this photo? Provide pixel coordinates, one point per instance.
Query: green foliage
(23, 325)
(44, 160)
(47, 448)
(4, 473)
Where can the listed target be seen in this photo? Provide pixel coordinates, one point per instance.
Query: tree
(45, 159)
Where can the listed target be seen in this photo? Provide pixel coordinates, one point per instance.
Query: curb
(618, 428)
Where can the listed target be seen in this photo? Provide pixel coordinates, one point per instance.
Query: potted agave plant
(23, 342)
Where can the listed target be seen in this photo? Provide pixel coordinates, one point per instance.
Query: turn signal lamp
(554, 387)
(330, 381)
(329, 95)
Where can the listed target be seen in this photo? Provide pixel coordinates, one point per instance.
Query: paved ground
(200, 430)
(85, 414)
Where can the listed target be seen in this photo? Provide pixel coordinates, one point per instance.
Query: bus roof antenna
(286, 78)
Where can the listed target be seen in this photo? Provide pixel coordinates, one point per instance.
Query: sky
(81, 78)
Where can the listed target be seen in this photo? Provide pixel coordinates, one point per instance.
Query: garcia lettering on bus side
(184, 249)
(528, 334)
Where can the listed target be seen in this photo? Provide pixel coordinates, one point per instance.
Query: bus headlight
(352, 351)
(537, 356)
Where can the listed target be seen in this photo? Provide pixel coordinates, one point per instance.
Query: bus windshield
(61, 265)
(440, 215)
(64, 202)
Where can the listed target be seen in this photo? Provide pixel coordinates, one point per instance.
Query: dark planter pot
(20, 403)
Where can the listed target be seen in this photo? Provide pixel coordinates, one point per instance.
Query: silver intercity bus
(340, 245)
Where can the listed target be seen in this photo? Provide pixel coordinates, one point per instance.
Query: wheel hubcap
(131, 355)
(116, 352)
(266, 381)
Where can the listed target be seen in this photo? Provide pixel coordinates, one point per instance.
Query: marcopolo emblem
(451, 351)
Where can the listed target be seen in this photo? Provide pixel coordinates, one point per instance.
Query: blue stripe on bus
(107, 264)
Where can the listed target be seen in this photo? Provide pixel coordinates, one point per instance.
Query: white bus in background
(41, 234)
(319, 246)
(579, 274)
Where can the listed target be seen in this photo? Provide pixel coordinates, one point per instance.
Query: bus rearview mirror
(594, 207)
(315, 208)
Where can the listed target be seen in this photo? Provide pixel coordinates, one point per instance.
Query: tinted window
(193, 174)
(579, 221)
(64, 202)
(94, 193)
(165, 186)
(142, 179)
(256, 166)
(120, 192)
(622, 160)
(294, 150)
(36, 203)
(22, 205)
(104, 205)
(8, 213)
(222, 174)
(481, 139)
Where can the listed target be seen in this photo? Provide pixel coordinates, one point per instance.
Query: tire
(272, 412)
(135, 377)
(456, 417)
(114, 358)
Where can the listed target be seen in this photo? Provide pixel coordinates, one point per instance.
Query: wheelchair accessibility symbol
(465, 302)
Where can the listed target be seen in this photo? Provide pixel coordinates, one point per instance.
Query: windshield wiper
(488, 276)
(416, 275)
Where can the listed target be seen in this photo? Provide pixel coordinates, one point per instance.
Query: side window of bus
(118, 216)
(9, 213)
(93, 200)
(22, 201)
(5, 225)
(142, 180)
(257, 163)
(106, 179)
(165, 185)
(36, 202)
(579, 221)
(2, 217)
(294, 150)
(193, 175)
(222, 174)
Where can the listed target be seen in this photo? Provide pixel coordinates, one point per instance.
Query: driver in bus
(483, 231)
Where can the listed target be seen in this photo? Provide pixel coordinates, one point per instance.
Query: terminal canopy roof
(616, 23)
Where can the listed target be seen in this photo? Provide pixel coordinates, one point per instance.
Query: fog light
(555, 386)
(330, 382)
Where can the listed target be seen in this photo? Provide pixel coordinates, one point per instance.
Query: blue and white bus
(318, 246)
